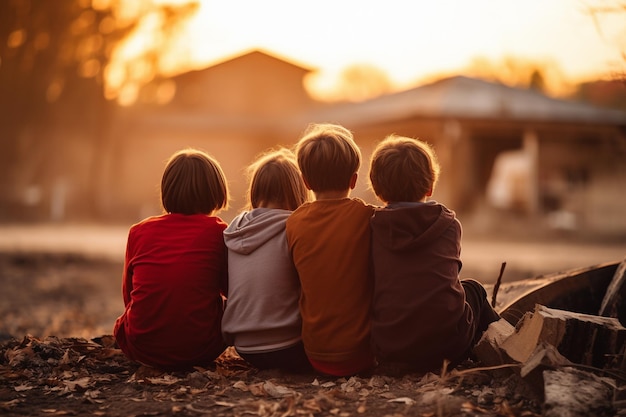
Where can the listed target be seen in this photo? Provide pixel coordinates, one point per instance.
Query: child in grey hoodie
(262, 319)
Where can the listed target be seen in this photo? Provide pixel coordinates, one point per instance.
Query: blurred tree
(603, 10)
(536, 81)
(362, 81)
(53, 110)
(545, 77)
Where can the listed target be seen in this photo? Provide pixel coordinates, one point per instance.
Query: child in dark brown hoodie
(423, 313)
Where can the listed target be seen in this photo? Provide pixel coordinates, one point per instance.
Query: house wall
(575, 180)
(254, 85)
(582, 180)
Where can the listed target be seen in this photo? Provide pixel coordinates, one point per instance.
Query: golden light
(410, 42)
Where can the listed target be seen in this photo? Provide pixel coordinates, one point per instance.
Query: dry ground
(60, 294)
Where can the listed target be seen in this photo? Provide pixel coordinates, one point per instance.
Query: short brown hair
(328, 157)
(193, 183)
(403, 169)
(275, 178)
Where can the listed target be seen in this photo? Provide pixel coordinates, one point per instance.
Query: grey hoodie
(262, 313)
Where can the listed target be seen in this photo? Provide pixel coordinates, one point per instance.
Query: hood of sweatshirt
(251, 229)
(402, 226)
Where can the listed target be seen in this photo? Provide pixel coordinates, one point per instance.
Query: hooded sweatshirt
(420, 315)
(262, 313)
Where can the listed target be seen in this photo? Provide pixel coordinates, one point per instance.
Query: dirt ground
(61, 294)
(57, 358)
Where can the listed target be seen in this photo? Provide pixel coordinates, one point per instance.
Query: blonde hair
(275, 179)
(328, 157)
(193, 183)
(403, 169)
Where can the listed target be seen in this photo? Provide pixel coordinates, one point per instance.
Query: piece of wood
(580, 290)
(544, 356)
(581, 338)
(488, 349)
(614, 297)
(497, 286)
(570, 392)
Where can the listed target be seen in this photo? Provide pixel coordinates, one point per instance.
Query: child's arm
(127, 279)
(224, 275)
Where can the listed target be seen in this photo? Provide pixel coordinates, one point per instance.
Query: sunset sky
(410, 40)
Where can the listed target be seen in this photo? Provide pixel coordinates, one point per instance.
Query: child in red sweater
(175, 271)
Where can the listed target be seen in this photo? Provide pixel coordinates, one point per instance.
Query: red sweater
(175, 273)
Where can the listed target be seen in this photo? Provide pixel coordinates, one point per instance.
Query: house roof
(258, 52)
(469, 98)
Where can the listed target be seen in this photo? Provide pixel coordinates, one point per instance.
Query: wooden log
(488, 349)
(545, 356)
(614, 297)
(581, 290)
(581, 338)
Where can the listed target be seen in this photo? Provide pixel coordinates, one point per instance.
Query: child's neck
(331, 195)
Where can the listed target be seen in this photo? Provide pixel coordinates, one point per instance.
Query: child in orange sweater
(329, 240)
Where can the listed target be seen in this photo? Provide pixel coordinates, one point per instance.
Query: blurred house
(234, 110)
(500, 148)
(557, 162)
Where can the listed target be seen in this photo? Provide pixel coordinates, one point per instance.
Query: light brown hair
(193, 183)
(275, 179)
(403, 169)
(328, 157)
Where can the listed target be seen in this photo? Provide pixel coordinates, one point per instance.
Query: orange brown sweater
(330, 245)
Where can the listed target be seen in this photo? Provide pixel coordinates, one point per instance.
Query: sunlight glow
(408, 41)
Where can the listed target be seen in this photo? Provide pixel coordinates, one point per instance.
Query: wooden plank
(582, 338)
(581, 290)
(613, 301)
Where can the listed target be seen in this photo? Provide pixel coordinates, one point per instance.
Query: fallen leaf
(78, 383)
(224, 404)
(240, 385)
(9, 404)
(277, 391)
(404, 400)
(166, 379)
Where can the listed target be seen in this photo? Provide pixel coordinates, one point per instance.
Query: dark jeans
(484, 314)
(291, 359)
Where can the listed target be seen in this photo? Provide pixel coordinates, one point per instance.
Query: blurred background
(524, 102)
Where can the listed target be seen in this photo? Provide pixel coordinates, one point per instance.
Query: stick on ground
(497, 286)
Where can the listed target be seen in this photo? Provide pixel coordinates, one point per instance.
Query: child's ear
(353, 180)
(430, 192)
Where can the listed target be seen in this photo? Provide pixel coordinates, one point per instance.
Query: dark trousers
(291, 359)
(484, 314)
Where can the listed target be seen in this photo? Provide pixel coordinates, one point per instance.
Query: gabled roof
(469, 98)
(258, 52)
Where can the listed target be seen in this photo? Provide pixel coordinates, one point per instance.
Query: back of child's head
(403, 169)
(328, 157)
(275, 180)
(193, 183)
